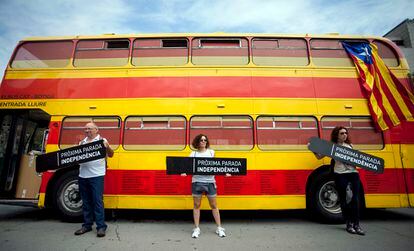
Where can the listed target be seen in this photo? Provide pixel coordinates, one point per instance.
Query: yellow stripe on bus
(189, 71)
(186, 202)
(247, 202)
(200, 106)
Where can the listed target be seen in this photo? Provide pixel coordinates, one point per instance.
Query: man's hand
(109, 150)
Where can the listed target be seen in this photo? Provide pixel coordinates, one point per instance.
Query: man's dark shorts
(198, 188)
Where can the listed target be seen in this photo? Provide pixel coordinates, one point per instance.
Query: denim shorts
(200, 188)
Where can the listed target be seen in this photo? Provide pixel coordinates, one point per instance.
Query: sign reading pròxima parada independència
(347, 155)
(71, 156)
(206, 166)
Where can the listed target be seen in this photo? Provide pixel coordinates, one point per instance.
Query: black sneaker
(82, 231)
(359, 230)
(350, 228)
(101, 232)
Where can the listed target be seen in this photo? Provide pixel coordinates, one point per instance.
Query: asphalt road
(35, 229)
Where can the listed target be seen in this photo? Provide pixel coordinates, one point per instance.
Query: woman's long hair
(196, 141)
(335, 134)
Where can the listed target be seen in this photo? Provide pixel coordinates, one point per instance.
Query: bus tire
(66, 197)
(322, 200)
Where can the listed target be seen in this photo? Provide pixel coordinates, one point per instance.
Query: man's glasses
(342, 133)
(203, 140)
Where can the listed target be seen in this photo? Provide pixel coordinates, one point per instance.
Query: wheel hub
(329, 199)
(71, 197)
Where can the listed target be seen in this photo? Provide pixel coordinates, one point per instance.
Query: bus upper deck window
(174, 43)
(220, 51)
(329, 52)
(117, 44)
(101, 53)
(47, 54)
(387, 54)
(219, 43)
(160, 52)
(280, 52)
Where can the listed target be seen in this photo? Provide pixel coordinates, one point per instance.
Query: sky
(25, 18)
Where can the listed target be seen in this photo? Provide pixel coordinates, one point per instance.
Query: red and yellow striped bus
(257, 96)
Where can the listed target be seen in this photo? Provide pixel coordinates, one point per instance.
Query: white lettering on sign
(356, 161)
(219, 163)
(80, 157)
(207, 169)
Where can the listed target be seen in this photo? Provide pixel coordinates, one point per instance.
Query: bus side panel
(407, 153)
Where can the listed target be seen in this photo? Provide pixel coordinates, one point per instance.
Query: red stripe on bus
(257, 182)
(286, 87)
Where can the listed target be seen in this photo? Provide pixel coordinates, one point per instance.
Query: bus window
(280, 52)
(73, 132)
(220, 51)
(362, 131)
(39, 140)
(329, 52)
(387, 54)
(160, 52)
(155, 133)
(101, 53)
(224, 132)
(52, 54)
(285, 133)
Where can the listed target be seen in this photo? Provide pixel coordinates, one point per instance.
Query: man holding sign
(346, 174)
(91, 185)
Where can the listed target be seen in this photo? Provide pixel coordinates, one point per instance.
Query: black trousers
(350, 211)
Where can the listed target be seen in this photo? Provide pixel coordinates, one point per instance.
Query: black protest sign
(179, 165)
(71, 156)
(347, 155)
(206, 166)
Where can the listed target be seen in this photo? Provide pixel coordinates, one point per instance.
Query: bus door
(22, 136)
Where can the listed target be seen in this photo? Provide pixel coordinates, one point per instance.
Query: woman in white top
(347, 174)
(204, 184)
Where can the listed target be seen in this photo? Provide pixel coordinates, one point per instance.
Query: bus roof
(215, 34)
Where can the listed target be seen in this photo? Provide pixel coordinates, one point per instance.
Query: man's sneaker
(220, 232)
(101, 232)
(196, 232)
(82, 231)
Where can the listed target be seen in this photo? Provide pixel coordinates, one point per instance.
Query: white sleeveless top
(209, 153)
(94, 168)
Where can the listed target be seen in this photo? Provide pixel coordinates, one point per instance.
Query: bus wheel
(323, 199)
(67, 199)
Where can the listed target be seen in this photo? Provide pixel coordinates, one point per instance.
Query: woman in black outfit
(346, 174)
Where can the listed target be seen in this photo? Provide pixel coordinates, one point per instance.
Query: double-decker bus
(256, 96)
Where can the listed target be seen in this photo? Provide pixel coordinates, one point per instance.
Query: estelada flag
(390, 102)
